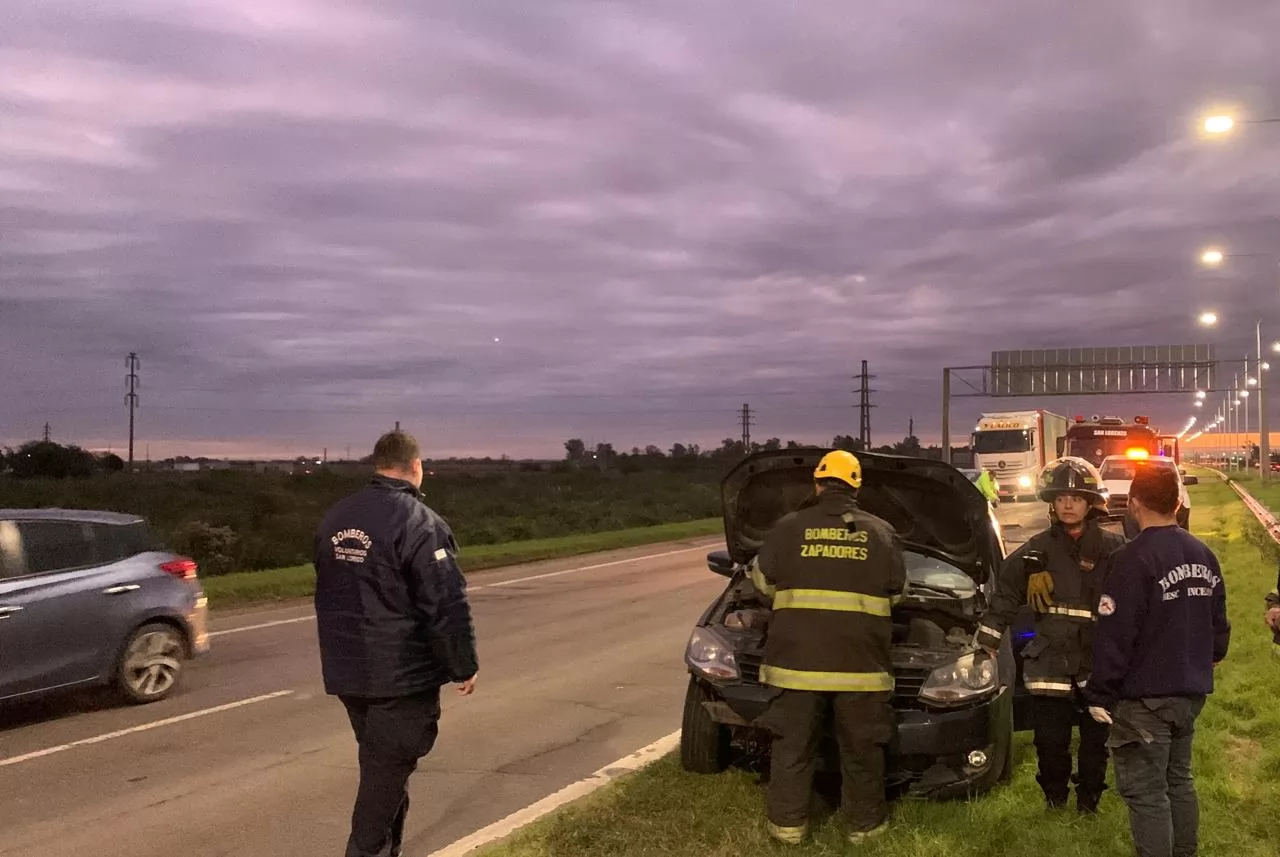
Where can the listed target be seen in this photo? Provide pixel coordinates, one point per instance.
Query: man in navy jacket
(394, 626)
(1162, 628)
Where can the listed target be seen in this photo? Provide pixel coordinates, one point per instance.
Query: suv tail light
(182, 568)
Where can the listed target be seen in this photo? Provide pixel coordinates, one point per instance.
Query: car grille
(906, 691)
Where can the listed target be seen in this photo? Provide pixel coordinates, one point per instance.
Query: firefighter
(1058, 574)
(832, 572)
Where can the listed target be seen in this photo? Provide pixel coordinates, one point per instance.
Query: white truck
(1015, 446)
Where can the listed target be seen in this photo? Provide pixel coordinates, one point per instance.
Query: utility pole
(746, 429)
(864, 407)
(911, 427)
(46, 432)
(397, 425)
(131, 398)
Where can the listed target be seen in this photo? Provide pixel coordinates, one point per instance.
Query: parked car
(1118, 471)
(954, 704)
(88, 598)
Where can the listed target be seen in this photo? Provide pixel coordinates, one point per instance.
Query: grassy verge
(242, 588)
(663, 810)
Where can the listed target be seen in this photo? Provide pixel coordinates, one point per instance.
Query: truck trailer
(1015, 446)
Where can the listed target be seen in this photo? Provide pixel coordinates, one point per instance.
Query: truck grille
(1117, 502)
(907, 682)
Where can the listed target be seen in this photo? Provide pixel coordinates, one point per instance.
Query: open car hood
(933, 506)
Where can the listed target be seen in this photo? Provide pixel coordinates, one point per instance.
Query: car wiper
(936, 590)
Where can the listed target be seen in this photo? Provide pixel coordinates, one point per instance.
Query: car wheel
(704, 744)
(151, 665)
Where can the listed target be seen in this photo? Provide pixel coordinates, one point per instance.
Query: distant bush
(238, 521)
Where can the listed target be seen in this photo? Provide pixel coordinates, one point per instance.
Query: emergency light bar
(1136, 452)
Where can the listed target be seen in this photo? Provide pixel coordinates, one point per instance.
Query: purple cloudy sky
(508, 223)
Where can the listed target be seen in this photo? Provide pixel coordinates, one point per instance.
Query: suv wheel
(704, 744)
(151, 664)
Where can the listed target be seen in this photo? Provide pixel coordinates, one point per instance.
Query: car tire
(1006, 769)
(704, 744)
(150, 666)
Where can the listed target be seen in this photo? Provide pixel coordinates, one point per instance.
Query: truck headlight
(1024, 481)
(710, 655)
(965, 679)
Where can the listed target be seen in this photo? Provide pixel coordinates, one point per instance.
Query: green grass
(248, 587)
(663, 810)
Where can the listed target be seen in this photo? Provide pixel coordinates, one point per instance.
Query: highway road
(580, 666)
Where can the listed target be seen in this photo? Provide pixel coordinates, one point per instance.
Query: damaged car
(954, 704)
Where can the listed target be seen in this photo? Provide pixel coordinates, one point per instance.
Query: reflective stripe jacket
(1060, 654)
(987, 485)
(833, 572)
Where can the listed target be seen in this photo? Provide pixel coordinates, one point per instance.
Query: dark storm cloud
(505, 224)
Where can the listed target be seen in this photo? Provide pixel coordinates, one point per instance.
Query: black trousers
(1054, 718)
(393, 735)
(863, 728)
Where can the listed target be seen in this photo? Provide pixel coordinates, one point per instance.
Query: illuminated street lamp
(1212, 256)
(1200, 394)
(1218, 124)
(1209, 319)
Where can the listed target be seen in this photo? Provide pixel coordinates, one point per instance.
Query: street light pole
(1264, 429)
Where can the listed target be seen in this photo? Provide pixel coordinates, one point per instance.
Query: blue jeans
(1154, 777)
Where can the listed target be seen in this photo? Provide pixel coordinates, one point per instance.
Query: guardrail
(1261, 512)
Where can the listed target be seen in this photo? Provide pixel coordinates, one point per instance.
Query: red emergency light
(1137, 452)
(1142, 421)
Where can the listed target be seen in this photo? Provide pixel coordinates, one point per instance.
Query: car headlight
(1024, 481)
(710, 655)
(970, 677)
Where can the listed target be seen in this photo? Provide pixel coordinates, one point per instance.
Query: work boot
(1087, 800)
(857, 837)
(789, 835)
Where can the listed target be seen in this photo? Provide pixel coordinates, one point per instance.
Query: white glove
(1099, 714)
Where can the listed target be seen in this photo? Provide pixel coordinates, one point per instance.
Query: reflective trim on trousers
(831, 599)
(990, 633)
(1070, 612)
(1049, 687)
(834, 682)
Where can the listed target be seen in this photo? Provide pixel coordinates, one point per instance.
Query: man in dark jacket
(1058, 574)
(1162, 628)
(832, 572)
(394, 626)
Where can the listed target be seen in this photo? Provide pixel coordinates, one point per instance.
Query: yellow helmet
(840, 465)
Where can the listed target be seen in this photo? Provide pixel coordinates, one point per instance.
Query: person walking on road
(1058, 574)
(394, 627)
(832, 572)
(986, 483)
(1162, 628)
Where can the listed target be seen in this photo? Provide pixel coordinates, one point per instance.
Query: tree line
(730, 449)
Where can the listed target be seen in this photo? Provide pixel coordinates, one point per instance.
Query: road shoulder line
(521, 818)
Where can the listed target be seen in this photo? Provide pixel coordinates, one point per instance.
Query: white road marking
(98, 739)
(497, 585)
(516, 820)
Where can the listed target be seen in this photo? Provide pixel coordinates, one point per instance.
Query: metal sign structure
(1126, 370)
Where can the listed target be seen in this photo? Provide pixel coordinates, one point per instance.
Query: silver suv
(88, 598)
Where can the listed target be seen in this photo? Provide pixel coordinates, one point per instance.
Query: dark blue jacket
(391, 604)
(1162, 622)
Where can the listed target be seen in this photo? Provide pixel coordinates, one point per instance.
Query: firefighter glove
(1040, 591)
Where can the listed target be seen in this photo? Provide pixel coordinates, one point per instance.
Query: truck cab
(1014, 446)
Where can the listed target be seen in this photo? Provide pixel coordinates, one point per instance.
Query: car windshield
(934, 573)
(1001, 440)
(1124, 470)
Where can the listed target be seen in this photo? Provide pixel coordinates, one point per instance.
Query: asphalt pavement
(580, 665)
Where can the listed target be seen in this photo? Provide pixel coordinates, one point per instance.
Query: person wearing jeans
(1162, 630)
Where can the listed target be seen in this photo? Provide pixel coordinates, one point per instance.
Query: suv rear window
(118, 542)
